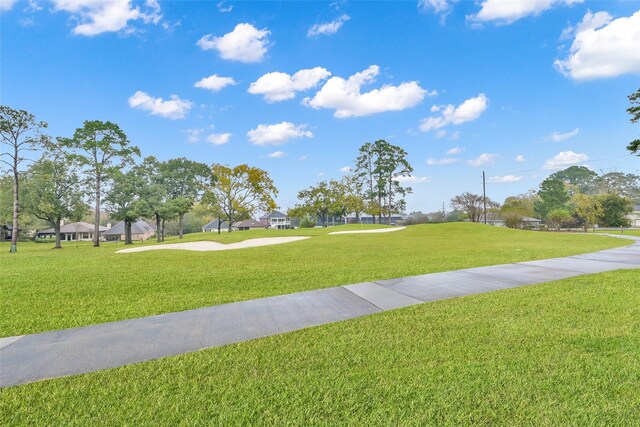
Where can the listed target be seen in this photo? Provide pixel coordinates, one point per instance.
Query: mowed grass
(560, 353)
(45, 289)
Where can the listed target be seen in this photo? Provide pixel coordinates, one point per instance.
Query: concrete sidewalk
(91, 348)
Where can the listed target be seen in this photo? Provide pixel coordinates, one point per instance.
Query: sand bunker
(215, 246)
(377, 230)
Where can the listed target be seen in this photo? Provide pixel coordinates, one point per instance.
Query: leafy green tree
(318, 200)
(125, 200)
(19, 133)
(588, 210)
(580, 177)
(184, 181)
(354, 198)
(634, 110)
(102, 148)
(615, 210)
(558, 217)
(52, 192)
(515, 209)
(155, 200)
(552, 195)
(241, 190)
(379, 165)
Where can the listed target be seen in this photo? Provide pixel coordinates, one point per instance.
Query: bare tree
(20, 131)
(472, 205)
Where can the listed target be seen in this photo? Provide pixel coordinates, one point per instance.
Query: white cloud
(344, 95)
(603, 47)
(564, 159)
(455, 135)
(97, 17)
(215, 83)
(173, 108)
(345, 169)
(219, 138)
(328, 28)
(245, 43)
(558, 137)
(276, 155)
(504, 179)
(7, 4)
(223, 7)
(412, 179)
(303, 157)
(441, 134)
(277, 134)
(469, 110)
(483, 159)
(520, 158)
(277, 86)
(508, 11)
(441, 7)
(455, 150)
(193, 135)
(446, 161)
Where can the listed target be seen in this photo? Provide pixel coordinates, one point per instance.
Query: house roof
(252, 223)
(274, 214)
(138, 227)
(213, 225)
(74, 227)
(529, 219)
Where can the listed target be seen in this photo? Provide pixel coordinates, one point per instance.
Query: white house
(276, 219)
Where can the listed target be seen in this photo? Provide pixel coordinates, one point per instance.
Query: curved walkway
(92, 348)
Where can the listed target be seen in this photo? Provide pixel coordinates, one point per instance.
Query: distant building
(74, 232)
(276, 219)
(140, 230)
(634, 217)
(213, 226)
(248, 224)
(6, 231)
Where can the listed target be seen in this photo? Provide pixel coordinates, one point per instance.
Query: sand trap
(215, 246)
(377, 230)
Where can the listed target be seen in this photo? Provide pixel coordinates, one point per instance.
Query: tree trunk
(127, 232)
(15, 224)
(96, 226)
(56, 229)
(230, 223)
(163, 229)
(180, 225)
(158, 237)
(219, 225)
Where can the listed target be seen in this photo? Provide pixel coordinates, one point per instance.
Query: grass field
(45, 289)
(560, 353)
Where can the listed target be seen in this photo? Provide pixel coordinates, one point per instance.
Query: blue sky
(512, 88)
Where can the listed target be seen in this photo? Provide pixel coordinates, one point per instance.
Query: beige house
(73, 232)
(634, 217)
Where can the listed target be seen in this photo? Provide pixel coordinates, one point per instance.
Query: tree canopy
(103, 149)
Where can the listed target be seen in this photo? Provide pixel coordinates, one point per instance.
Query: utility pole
(444, 213)
(484, 196)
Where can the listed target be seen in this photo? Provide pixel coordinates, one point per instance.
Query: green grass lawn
(45, 289)
(560, 353)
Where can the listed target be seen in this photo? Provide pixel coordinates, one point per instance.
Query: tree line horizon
(97, 164)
